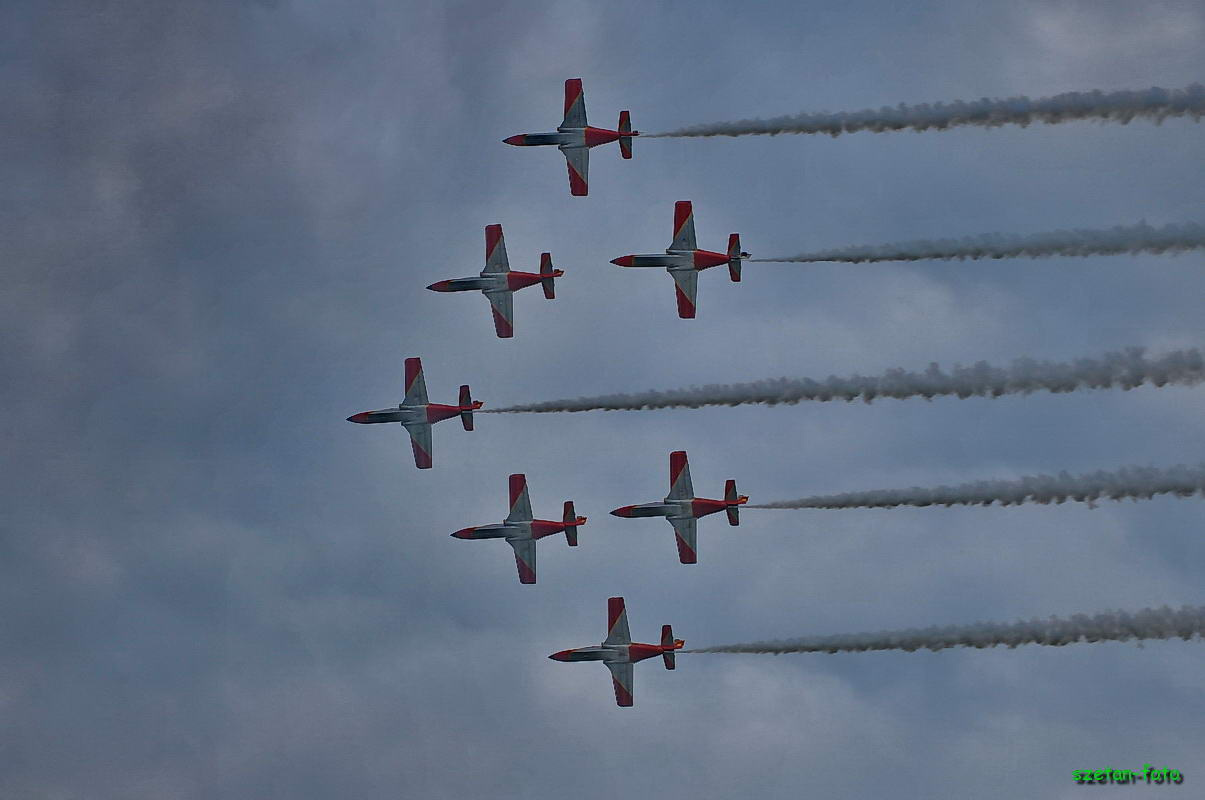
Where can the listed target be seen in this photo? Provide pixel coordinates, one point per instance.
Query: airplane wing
(575, 104)
(684, 227)
(578, 159)
(621, 677)
(617, 622)
(502, 302)
(420, 441)
(525, 558)
(495, 250)
(416, 387)
(520, 504)
(680, 487)
(685, 531)
(686, 283)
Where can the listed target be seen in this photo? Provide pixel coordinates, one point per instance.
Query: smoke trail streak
(1141, 238)
(1126, 370)
(1116, 626)
(1135, 483)
(1154, 104)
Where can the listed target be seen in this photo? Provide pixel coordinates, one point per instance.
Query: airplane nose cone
(361, 418)
(622, 261)
(464, 533)
(517, 139)
(439, 286)
(623, 511)
(561, 656)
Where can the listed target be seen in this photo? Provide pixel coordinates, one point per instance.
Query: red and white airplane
(417, 415)
(682, 508)
(575, 138)
(619, 652)
(684, 261)
(498, 282)
(521, 530)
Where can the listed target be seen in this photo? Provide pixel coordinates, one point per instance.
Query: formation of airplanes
(683, 260)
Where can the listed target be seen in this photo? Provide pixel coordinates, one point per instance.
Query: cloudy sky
(220, 218)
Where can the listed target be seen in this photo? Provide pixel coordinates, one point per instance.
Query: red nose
(561, 656)
(464, 533)
(517, 139)
(623, 511)
(624, 261)
(361, 418)
(439, 286)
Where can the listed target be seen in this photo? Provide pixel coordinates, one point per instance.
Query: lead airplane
(682, 508)
(417, 415)
(574, 137)
(521, 529)
(498, 282)
(683, 260)
(619, 652)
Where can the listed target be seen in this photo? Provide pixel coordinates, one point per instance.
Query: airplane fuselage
(566, 138)
(674, 509)
(675, 260)
(510, 281)
(615, 653)
(534, 529)
(410, 415)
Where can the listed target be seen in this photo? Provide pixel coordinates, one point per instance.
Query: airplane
(417, 415)
(619, 652)
(682, 508)
(575, 138)
(521, 530)
(684, 261)
(498, 282)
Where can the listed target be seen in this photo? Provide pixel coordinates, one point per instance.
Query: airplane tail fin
(546, 270)
(466, 408)
(625, 127)
(734, 257)
(671, 644)
(572, 520)
(734, 502)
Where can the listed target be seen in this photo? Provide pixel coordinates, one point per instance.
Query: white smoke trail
(1153, 104)
(1136, 483)
(1114, 626)
(1126, 370)
(1141, 238)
